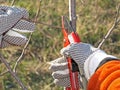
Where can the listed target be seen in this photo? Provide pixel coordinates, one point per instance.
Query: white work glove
(84, 55)
(12, 22)
(59, 67)
(78, 52)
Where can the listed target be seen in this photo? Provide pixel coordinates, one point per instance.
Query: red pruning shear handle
(70, 36)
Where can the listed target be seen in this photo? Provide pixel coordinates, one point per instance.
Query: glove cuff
(93, 61)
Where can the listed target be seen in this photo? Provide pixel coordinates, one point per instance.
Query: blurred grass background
(94, 19)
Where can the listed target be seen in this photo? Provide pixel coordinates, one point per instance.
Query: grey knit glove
(59, 67)
(11, 22)
(79, 53)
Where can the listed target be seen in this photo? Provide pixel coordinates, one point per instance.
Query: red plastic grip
(74, 80)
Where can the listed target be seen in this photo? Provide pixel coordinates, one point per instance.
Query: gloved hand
(86, 56)
(78, 52)
(12, 22)
(60, 72)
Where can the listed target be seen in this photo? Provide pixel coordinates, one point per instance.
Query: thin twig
(82, 1)
(72, 13)
(13, 2)
(19, 59)
(12, 73)
(3, 73)
(116, 22)
(38, 22)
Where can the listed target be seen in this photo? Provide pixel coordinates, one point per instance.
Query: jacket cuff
(93, 61)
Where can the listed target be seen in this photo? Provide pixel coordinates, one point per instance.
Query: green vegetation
(94, 19)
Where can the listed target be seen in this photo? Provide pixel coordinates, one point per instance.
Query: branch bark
(19, 59)
(116, 22)
(72, 13)
(12, 73)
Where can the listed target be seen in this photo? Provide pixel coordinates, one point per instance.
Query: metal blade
(68, 25)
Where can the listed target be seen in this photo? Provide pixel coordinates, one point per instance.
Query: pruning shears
(70, 36)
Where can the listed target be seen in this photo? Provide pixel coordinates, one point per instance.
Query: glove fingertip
(15, 38)
(25, 28)
(62, 82)
(23, 11)
(65, 50)
(56, 81)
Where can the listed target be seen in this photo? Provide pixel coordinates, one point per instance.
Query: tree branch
(116, 22)
(12, 73)
(19, 59)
